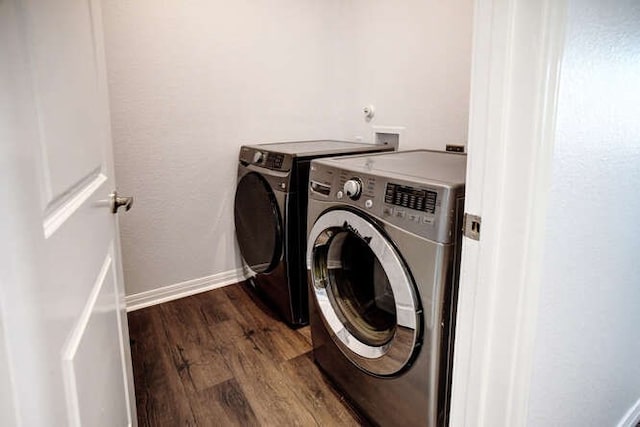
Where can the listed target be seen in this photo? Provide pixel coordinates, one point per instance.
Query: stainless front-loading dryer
(270, 215)
(383, 249)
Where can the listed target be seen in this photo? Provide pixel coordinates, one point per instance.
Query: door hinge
(471, 226)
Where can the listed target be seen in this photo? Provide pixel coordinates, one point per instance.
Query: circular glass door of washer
(364, 292)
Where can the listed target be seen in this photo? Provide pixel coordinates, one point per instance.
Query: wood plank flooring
(222, 358)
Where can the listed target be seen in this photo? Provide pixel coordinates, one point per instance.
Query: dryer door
(364, 292)
(258, 223)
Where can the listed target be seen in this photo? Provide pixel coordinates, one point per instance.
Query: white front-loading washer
(383, 251)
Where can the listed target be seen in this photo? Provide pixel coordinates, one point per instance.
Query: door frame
(516, 61)
(517, 53)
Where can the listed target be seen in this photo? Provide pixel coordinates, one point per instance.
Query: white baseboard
(632, 417)
(184, 289)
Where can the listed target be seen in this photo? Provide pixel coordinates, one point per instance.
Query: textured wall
(189, 83)
(192, 81)
(411, 59)
(587, 361)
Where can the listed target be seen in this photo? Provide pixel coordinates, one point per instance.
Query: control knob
(258, 157)
(353, 188)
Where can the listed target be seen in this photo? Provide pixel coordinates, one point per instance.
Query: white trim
(77, 198)
(71, 346)
(516, 56)
(122, 337)
(185, 289)
(632, 417)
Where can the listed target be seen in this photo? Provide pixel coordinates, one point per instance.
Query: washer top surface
(430, 165)
(316, 148)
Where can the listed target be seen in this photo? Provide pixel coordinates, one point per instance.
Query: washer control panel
(411, 197)
(422, 208)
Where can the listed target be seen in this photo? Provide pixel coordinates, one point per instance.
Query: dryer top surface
(440, 166)
(317, 148)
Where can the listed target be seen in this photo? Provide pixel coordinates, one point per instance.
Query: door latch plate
(471, 226)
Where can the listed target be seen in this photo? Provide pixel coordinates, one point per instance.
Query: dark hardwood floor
(222, 358)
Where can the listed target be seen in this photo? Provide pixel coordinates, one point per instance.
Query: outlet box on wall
(388, 135)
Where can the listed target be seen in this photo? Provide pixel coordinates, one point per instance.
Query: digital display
(274, 160)
(410, 197)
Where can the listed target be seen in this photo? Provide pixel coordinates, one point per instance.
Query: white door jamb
(517, 51)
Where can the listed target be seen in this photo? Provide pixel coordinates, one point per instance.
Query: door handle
(117, 202)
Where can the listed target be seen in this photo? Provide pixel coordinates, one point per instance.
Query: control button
(353, 188)
(428, 220)
(400, 214)
(368, 203)
(414, 217)
(387, 211)
(258, 157)
(339, 194)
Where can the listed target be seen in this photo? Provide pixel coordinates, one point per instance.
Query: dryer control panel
(422, 207)
(266, 159)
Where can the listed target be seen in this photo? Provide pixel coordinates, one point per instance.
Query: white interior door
(65, 346)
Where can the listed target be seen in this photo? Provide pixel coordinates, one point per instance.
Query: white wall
(411, 59)
(189, 83)
(192, 81)
(587, 360)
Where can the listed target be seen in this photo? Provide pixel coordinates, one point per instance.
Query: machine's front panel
(423, 209)
(266, 159)
(411, 396)
(420, 219)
